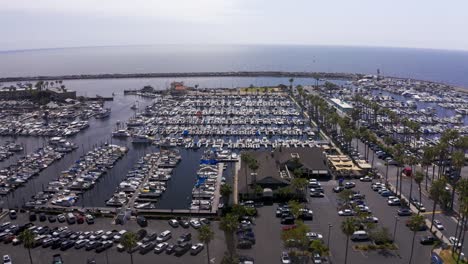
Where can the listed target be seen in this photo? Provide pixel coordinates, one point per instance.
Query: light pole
(394, 229)
(328, 239)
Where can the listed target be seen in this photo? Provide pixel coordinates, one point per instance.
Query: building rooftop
(271, 162)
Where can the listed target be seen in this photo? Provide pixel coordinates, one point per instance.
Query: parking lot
(79, 256)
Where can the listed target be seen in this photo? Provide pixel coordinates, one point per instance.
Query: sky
(35, 24)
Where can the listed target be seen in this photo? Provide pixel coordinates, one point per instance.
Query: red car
(79, 218)
(289, 227)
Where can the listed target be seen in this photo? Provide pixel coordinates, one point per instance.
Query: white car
(454, 241)
(371, 219)
(438, 224)
(7, 259)
(160, 247)
(317, 258)
(285, 259)
(314, 236)
(346, 212)
(195, 223)
(363, 208)
(365, 179)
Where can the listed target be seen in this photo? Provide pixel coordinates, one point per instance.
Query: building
(178, 88)
(276, 169)
(341, 105)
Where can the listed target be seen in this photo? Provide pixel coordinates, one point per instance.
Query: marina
(191, 124)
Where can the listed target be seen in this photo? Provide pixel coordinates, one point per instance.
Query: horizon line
(232, 44)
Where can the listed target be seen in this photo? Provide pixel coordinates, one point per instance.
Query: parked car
(164, 236)
(285, 259)
(13, 215)
(454, 241)
(365, 179)
(61, 218)
(170, 248)
(317, 194)
(317, 258)
(244, 244)
(195, 223)
(89, 219)
(346, 212)
(427, 240)
(182, 248)
(184, 223)
(314, 236)
(145, 248)
(350, 185)
(6, 259)
(360, 235)
(289, 220)
(32, 217)
(197, 248)
(184, 238)
(141, 221)
(57, 259)
(404, 212)
(174, 223)
(438, 224)
(52, 218)
(338, 189)
(159, 248)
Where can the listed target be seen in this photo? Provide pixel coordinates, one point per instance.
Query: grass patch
(447, 257)
(369, 247)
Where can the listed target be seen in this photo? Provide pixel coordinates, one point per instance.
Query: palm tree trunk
(412, 248)
(462, 242)
(427, 174)
(346, 253)
(208, 253)
(30, 258)
(433, 214)
(411, 184)
(433, 172)
(386, 174)
(419, 209)
(397, 181)
(131, 258)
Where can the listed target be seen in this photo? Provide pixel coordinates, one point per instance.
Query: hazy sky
(27, 24)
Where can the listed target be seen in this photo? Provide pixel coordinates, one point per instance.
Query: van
(360, 235)
(71, 218)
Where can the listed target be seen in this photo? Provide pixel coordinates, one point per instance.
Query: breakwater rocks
(321, 75)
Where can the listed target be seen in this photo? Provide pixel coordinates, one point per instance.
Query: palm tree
(458, 161)
(435, 193)
(291, 84)
(229, 224)
(27, 236)
(418, 178)
(415, 224)
(427, 158)
(205, 235)
(226, 191)
(348, 226)
(129, 241)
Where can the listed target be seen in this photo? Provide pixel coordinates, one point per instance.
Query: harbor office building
(276, 169)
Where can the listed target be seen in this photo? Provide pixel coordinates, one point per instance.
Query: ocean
(434, 65)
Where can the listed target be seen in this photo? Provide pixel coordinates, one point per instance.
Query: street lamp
(328, 239)
(394, 229)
